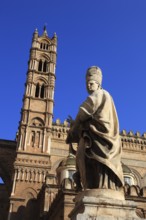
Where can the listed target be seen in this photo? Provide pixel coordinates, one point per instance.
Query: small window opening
(42, 91)
(40, 65)
(45, 67)
(37, 90)
(32, 138)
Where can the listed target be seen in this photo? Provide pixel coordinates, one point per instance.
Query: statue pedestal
(105, 204)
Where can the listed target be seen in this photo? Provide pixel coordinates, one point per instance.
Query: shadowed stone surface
(103, 205)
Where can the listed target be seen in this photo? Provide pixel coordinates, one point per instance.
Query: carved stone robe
(99, 150)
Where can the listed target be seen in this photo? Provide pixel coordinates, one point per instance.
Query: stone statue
(96, 130)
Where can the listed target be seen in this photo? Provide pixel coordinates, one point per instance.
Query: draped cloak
(97, 122)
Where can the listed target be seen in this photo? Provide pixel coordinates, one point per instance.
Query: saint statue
(96, 130)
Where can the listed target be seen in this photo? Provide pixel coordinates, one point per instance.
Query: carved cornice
(32, 163)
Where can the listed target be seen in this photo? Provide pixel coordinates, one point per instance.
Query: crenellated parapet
(130, 140)
(60, 130)
(134, 142)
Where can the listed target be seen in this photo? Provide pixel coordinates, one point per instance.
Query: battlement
(60, 130)
(134, 142)
(130, 140)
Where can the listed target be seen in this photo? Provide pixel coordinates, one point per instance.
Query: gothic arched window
(44, 46)
(40, 90)
(43, 66)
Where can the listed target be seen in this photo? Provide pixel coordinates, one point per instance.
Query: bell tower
(32, 162)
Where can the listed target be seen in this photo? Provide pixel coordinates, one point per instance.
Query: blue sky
(108, 33)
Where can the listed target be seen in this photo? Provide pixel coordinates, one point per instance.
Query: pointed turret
(54, 38)
(35, 34)
(35, 38)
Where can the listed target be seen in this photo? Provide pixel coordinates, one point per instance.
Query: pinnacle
(45, 31)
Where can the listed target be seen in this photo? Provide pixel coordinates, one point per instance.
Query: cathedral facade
(37, 167)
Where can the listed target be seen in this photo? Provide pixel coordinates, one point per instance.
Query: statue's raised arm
(96, 130)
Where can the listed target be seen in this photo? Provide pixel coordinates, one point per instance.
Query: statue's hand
(73, 136)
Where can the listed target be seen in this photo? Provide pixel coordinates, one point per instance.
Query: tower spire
(45, 30)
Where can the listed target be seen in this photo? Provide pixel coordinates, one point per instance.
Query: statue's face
(92, 86)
